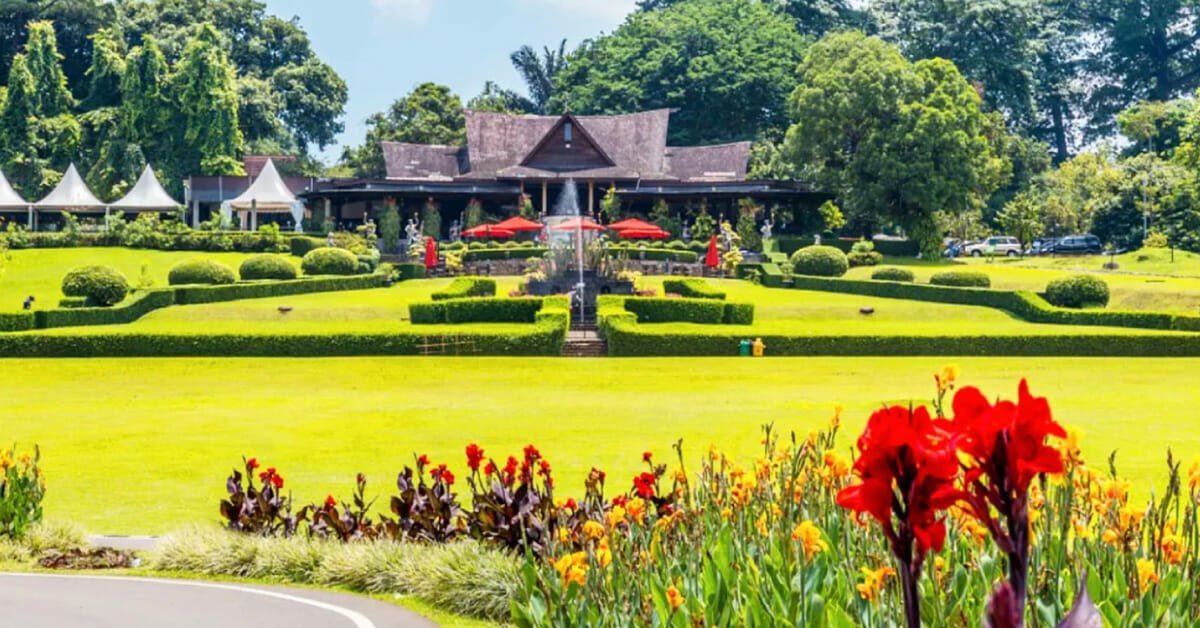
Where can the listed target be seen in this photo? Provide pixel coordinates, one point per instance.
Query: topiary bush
(820, 261)
(863, 253)
(102, 286)
(201, 272)
(1078, 291)
(329, 261)
(961, 279)
(891, 273)
(267, 267)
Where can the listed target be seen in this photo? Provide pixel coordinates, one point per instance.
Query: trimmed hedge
(656, 255)
(410, 270)
(301, 245)
(73, 302)
(630, 340)
(491, 255)
(1077, 291)
(192, 295)
(100, 285)
(739, 314)
(1025, 305)
(891, 273)
(654, 310)
(266, 266)
(464, 287)
(820, 261)
(196, 272)
(140, 305)
(17, 321)
(327, 261)
(490, 310)
(769, 273)
(692, 287)
(541, 339)
(891, 248)
(961, 279)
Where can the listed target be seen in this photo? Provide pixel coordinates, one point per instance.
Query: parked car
(1078, 245)
(1041, 246)
(995, 245)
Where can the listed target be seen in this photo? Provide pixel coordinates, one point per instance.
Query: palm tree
(538, 72)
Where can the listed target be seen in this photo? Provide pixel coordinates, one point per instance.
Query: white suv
(996, 245)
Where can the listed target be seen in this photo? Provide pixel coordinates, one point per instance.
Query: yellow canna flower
(761, 524)
(873, 582)
(1147, 573)
(615, 517)
(593, 530)
(674, 598)
(1172, 548)
(603, 553)
(636, 509)
(810, 539)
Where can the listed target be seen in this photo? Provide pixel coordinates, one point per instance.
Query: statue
(455, 231)
(412, 233)
(766, 230)
(817, 240)
(686, 234)
(727, 236)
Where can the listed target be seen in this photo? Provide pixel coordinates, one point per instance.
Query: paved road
(84, 601)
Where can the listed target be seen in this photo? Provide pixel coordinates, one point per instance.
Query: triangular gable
(555, 153)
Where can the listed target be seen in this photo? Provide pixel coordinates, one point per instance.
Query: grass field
(39, 272)
(143, 446)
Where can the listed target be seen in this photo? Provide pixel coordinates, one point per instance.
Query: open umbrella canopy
(517, 223)
(578, 224)
(633, 224)
(431, 255)
(488, 231)
(713, 259)
(653, 233)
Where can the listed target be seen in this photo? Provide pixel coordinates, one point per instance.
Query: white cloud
(409, 11)
(614, 9)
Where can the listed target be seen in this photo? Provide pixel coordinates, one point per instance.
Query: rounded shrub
(200, 272)
(820, 261)
(267, 267)
(961, 279)
(1078, 291)
(891, 273)
(100, 285)
(329, 262)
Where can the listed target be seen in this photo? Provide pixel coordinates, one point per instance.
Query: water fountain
(576, 262)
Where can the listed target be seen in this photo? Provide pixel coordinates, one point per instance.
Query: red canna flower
(644, 485)
(448, 477)
(330, 502)
(277, 481)
(544, 468)
(646, 456)
(423, 460)
(570, 504)
(489, 469)
(252, 464)
(474, 456)
(620, 500)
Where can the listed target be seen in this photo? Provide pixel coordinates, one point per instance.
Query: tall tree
(74, 22)
(897, 141)
(106, 71)
(813, 18)
(147, 106)
(726, 65)
(539, 72)
(50, 94)
(431, 114)
(16, 129)
(498, 100)
(206, 85)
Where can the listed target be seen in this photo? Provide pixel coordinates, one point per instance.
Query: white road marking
(358, 619)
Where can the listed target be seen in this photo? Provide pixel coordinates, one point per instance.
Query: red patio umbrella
(488, 231)
(653, 233)
(633, 224)
(578, 224)
(431, 255)
(713, 259)
(517, 223)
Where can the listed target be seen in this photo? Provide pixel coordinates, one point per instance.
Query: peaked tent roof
(71, 194)
(9, 199)
(267, 193)
(147, 195)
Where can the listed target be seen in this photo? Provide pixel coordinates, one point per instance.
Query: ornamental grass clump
(22, 489)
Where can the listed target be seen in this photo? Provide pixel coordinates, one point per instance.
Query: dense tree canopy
(726, 65)
(431, 114)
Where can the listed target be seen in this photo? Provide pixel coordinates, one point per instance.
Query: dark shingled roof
(498, 144)
(723, 162)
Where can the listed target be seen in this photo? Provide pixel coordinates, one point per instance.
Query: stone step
(590, 348)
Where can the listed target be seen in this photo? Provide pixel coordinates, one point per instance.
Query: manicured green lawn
(138, 445)
(39, 272)
(1153, 283)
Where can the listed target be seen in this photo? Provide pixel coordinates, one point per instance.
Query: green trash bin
(744, 348)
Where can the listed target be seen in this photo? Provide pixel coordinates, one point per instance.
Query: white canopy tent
(147, 195)
(11, 201)
(71, 195)
(268, 194)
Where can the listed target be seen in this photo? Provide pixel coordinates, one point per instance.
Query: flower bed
(980, 509)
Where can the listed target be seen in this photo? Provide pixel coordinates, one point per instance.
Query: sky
(385, 48)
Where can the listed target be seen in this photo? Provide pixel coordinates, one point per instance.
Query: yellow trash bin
(759, 347)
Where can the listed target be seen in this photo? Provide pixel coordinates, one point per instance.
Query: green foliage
(692, 287)
(431, 114)
(106, 71)
(831, 216)
(738, 314)
(1077, 291)
(660, 214)
(410, 270)
(897, 141)
(329, 261)
(961, 279)
(16, 321)
(389, 227)
(863, 253)
(267, 267)
(727, 65)
(705, 226)
(458, 311)
(1022, 218)
(101, 285)
(301, 245)
(540, 74)
(201, 272)
(892, 273)
(205, 83)
(431, 220)
(51, 97)
(463, 287)
(653, 310)
(636, 252)
(128, 311)
(747, 224)
(22, 489)
(484, 255)
(473, 216)
(820, 261)
(610, 206)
